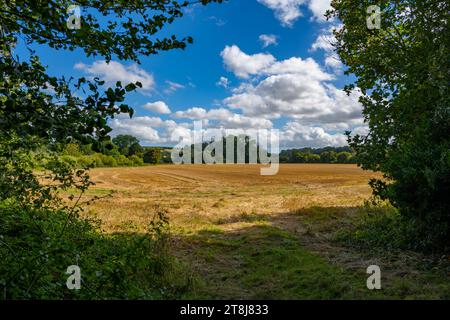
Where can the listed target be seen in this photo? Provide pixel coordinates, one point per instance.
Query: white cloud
(218, 21)
(242, 64)
(115, 71)
(223, 82)
(268, 40)
(325, 42)
(158, 107)
(150, 130)
(298, 89)
(139, 127)
(319, 8)
(222, 117)
(307, 67)
(286, 11)
(295, 134)
(173, 86)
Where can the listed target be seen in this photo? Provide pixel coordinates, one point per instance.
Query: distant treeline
(320, 155)
(125, 150)
(121, 151)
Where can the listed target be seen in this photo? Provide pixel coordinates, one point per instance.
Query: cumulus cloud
(115, 71)
(222, 117)
(325, 42)
(319, 8)
(157, 107)
(298, 89)
(139, 127)
(268, 40)
(295, 134)
(286, 11)
(151, 130)
(307, 67)
(242, 64)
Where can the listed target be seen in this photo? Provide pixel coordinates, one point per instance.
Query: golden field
(194, 194)
(241, 235)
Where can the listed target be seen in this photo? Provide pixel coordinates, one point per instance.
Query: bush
(108, 161)
(96, 160)
(136, 160)
(85, 161)
(382, 226)
(37, 246)
(152, 156)
(70, 160)
(72, 149)
(123, 161)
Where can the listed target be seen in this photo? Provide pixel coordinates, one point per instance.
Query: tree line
(122, 150)
(126, 150)
(319, 155)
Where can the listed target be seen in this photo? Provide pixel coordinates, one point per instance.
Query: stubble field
(240, 235)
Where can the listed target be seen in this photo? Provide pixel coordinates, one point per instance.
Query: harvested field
(244, 235)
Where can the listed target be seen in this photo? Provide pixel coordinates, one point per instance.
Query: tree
(328, 157)
(152, 156)
(298, 156)
(39, 109)
(127, 144)
(403, 72)
(135, 150)
(40, 114)
(343, 157)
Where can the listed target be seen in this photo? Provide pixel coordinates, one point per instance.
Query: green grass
(265, 262)
(261, 261)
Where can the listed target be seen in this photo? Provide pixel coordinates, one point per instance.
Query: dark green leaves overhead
(124, 28)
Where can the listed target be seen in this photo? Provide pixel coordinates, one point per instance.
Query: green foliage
(31, 188)
(72, 149)
(320, 155)
(328, 157)
(403, 72)
(127, 145)
(135, 149)
(152, 156)
(344, 157)
(130, 30)
(38, 245)
(383, 227)
(108, 161)
(136, 161)
(42, 115)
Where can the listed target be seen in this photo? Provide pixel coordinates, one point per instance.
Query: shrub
(85, 161)
(37, 246)
(123, 161)
(136, 160)
(152, 156)
(70, 160)
(72, 149)
(108, 161)
(96, 160)
(382, 226)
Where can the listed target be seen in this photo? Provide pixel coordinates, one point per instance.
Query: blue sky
(254, 64)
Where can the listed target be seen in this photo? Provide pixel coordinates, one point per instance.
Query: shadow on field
(260, 259)
(291, 256)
